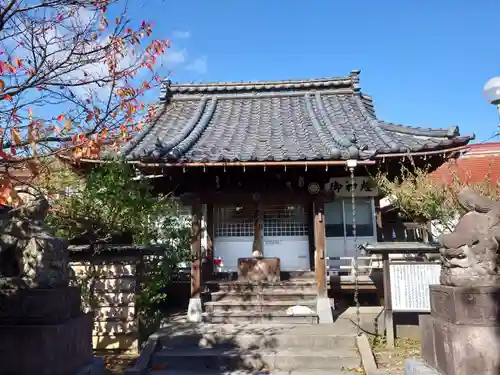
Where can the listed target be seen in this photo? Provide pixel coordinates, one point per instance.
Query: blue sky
(424, 62)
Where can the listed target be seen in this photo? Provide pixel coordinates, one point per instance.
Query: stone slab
(366, 354)
(39, 306)
(263, 372)
(263, 269)
(58, 349)
(143, 363)
(202, 359)
(466, 305)
(259, 318)
(426, 323)
(260, 306)
(418, 367)
(247, 338)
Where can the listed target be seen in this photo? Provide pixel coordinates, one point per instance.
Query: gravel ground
(392, 360)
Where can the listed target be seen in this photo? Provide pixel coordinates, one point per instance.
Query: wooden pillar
(208, 269)
(310, 234)
(196, 249)
(388, 314)
(319, 245)
(257, 230)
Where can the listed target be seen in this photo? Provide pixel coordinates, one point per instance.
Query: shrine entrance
(285, 236)
(338, 218)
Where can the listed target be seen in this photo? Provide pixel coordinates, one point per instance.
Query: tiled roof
(477, 164)
(315, 119)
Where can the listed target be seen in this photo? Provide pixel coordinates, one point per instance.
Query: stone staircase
(246, 330)
(255, 349)
(262, 302)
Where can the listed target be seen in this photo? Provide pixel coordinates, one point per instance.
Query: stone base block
(195, 310)
(324, 310)
(418, 367)
(39, 306)
(461, 336)
(58, 349)
(466, 305)
(263, 269)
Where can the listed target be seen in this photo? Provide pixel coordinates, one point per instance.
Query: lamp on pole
(491, 92)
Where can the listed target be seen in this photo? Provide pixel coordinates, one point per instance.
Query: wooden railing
(401, 231)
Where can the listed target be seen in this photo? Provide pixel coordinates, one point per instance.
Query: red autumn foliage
(70, 80)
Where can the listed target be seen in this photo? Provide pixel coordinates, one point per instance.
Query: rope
(355, 258)
(496, 133)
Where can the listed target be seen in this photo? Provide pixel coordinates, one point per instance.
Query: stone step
(237, 359)
(262, 336)
(298, 275)
(263, 296)
(252, 372)
(307, 287)
(182, 327)
(259, 317)
(255, 307)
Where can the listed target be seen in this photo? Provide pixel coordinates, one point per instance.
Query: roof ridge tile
(351, 81)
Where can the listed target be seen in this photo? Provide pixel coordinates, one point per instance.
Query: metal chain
(355, 258)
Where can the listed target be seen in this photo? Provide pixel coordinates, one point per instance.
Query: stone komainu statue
(30, 255)
(469, 254)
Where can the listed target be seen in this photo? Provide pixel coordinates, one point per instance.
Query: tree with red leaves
(73, 74)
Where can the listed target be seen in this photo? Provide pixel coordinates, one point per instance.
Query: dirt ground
(392, 360)
(116, 363)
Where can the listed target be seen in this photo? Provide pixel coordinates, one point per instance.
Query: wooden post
(388, 316)
(257, 247)
(139, 277)
(208, 269)
(196, 249)
(319, 244)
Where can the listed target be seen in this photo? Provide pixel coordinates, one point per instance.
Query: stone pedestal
(44, 332)
(462, 334)
(259, 269)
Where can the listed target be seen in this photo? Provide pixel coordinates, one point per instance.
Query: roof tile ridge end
(376, 124)
(340, 137)
(128, 151)
(181, 148)
(354, 75)
(185, 131)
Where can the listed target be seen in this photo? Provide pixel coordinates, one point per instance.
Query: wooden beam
(268, 198)
(196, 250)
(320, 242)
(312, 163)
